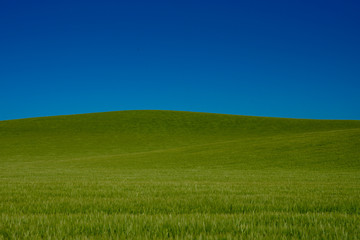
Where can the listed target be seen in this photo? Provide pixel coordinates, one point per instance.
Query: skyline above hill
(277, 59)
(175, 111)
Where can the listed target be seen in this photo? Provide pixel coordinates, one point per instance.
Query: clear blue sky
(286, 58)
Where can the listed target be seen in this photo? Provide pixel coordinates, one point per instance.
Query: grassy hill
(169, 174)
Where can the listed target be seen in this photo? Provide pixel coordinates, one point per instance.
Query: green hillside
(169, 174)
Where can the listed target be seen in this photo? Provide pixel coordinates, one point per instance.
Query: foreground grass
(180, 204)
(208, 176)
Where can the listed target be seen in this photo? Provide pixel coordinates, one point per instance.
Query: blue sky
(298, 59)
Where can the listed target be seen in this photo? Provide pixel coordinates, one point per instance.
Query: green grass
(179, 175)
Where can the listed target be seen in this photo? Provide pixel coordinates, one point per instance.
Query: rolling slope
(179, 175)
(181, 139)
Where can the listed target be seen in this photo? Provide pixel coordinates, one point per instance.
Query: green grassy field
(179, 175)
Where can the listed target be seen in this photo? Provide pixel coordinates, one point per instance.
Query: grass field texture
(179, 175)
